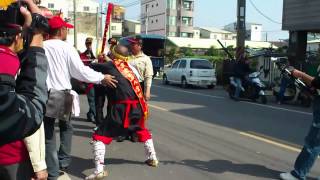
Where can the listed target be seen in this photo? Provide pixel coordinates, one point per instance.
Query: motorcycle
(296, 90)
(252, 88)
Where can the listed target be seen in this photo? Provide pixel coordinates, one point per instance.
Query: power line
(261, 13)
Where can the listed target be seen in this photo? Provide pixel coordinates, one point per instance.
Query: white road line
(279, 108)
(253, 136)
(270, 142)
(158, 107)
(251, 103)
(194, 93)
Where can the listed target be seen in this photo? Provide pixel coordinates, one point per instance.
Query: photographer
(23, 99)
(311, 148)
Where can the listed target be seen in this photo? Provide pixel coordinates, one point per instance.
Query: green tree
(211, 51)
(187, 51)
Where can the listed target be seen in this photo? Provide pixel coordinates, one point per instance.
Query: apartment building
(173, 18)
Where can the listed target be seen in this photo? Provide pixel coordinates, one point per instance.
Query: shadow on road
(222, 166)
(79, 165)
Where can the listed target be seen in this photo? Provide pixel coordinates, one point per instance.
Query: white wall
(196, 34)
(118, 28)
(137, 29)
(256, 32)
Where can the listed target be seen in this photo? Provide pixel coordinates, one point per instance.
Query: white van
(190, 71)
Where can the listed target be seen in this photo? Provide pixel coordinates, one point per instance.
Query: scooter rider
(241, 70)
(311, 148)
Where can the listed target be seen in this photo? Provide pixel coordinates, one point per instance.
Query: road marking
(194, 93)
(279, 108)
(251, 103)
(252, 135)
(158, 107)
(270, 141)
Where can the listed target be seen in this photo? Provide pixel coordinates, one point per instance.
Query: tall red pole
(108, 17)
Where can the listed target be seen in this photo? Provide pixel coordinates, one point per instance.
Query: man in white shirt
(64, 63)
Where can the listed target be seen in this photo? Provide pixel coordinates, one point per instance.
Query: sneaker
(287, 176)
(97, 176)
(152, 162)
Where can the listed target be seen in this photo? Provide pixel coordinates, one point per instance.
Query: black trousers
(142, 86)
(100, 98)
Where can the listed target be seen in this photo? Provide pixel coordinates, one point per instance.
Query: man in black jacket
(22, 101)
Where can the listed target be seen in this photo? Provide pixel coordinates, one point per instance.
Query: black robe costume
(127, 109)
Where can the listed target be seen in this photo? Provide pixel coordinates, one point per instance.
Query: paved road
(201, 134)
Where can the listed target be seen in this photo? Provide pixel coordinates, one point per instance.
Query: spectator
(64, 63)
(88, 57)
(22, 101)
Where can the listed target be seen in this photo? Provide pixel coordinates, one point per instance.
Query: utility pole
(75, 23)
(147, 18)
(266, 36)
(241, 24)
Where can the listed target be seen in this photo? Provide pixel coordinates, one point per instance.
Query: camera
(12, 14)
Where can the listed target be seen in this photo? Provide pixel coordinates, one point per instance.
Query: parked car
(190, 71)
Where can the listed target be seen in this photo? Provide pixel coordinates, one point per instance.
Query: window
(187, 5)
(156, 20)
(183, 64)
(186, 21)
(175, 64)
(184, 34)
(113, 28)
(157, 4)
(172, 20)
(86, 8)
(50, 5)
(152, 21)
(200, 64)
(172, 34)
(172, 4)
(215, 36)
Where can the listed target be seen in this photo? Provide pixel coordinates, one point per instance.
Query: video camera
(12, 15)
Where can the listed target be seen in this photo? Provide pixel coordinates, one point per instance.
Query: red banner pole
(108, 17)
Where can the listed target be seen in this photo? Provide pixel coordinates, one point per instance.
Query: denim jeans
(238, 87)
(311, 149)
(91, 115)
(62, 158)
(283, 87)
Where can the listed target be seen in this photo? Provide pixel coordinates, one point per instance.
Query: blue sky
(217, 13)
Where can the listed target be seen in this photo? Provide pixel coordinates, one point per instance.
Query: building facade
(300, 18)
(253, 30)
(131, 27)
(215, 33)
(66, 6)
(173, 18)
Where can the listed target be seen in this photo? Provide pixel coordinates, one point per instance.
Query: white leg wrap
(99, 150)
(149, 150)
